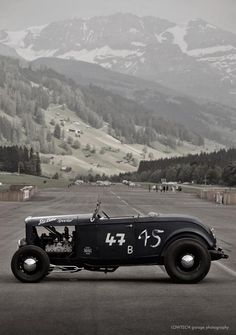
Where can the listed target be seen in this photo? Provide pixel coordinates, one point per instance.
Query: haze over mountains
(198, 58)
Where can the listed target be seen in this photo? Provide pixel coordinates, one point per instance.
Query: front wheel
(30, 264)
(187, 260)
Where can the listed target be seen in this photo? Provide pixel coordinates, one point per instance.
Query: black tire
(187, 260)
(41, 265)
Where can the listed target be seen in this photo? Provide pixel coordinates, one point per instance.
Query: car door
(116, 239)
(86, 241)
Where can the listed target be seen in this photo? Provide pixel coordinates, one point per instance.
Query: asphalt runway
(132, 300)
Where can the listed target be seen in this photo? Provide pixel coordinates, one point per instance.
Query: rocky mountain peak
(197, 58)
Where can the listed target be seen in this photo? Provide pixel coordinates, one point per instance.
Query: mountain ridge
(197, 58)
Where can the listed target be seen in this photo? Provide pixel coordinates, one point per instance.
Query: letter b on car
(130, 249)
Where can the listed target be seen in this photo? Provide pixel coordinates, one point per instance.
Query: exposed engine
(64, 246)
(57, 242)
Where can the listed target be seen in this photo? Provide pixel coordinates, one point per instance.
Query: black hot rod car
(97, 242)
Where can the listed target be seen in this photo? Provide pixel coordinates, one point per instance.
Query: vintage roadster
(97, 242)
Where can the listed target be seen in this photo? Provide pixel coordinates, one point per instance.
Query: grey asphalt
(132, 300)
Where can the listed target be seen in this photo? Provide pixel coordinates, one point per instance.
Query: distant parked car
(78, 182)
(131, 184)
(103, 183)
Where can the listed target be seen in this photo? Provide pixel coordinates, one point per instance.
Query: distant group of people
(164, 188)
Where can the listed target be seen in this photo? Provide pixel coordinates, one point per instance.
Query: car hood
(58, 219)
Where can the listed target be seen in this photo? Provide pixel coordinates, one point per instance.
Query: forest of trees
(25, 95)
(133, 123)
(19, 159)
(214, 168)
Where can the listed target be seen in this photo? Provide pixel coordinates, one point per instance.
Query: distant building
(66, 168)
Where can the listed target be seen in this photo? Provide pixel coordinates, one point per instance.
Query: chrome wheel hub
(187, 261)
(29, 264)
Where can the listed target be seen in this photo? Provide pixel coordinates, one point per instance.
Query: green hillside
(81, 130)
(208, 119)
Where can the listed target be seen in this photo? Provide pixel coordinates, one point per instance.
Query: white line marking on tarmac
(134, 209)
(127, 204)
(137, 211)
(226, 269)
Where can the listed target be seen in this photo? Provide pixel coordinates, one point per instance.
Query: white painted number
(121, 241)
(155, 234)
(112, 240)
(146, 236)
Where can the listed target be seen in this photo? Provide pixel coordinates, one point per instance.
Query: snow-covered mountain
(196, 58)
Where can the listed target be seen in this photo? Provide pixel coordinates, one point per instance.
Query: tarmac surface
(132, 300)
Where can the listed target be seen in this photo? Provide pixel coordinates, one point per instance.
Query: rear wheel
(187, 260)
(30, 264)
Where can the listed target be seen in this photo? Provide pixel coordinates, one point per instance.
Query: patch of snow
(141, 24)
(210, 50)
(106, 65)
(202, 24)
(128, 64)
(160, 37)
(226, 64)
(98, 54)
(179, 33)
(139, 44)
(34, 84)
(36, 30)
(89, 37)
(173, 101)
(226, 78)
(211, 26)
(228, 71)
(133, 30)
(226, 58)
(16, 38)
(196, 19)
(30, 54)
(85, 28)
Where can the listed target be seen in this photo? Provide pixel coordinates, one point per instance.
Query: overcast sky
(17, 14)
